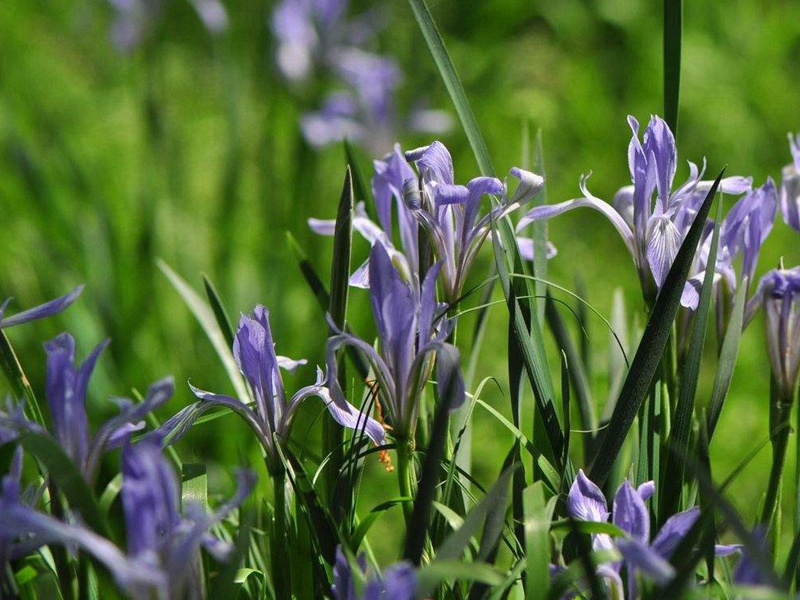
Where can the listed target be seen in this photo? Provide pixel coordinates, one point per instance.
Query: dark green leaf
(220, 314)
(17, 379)
(651, 348)
(673, 28)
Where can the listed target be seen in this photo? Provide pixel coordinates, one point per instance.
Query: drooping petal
(434, 162)
(322, 226)
(664, 241)
(673, 531)
(646, 490)
(529, 185)
(47, 309)
(630, 513)
(525, 246)
(644, 559)
(391, 173)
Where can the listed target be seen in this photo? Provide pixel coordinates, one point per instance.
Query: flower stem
(280, 575)
(780, 411)
(404, 476)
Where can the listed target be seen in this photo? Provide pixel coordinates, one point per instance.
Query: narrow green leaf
(673, 30)
(205, 316)
(194, 484)
(453, 84)
(538, 516)
(360, 188)
(68, 478)
(220, 314)
(440, 571)
(727, 360)
(110, 493)
(684, 410)
(367, 522)
(651, 348)
(17, 379)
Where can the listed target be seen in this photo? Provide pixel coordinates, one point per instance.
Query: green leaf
(684, 410)
(727, 360)
(651, 348)
(205, 316)
(440, 571)
(220, 313)
(17, 379)
(538, 516)
(540, 228)
(673, 27)
(110, 493)
(453, 84)
(360, 188)
(194, 484)
(367, 522)
(68, 478)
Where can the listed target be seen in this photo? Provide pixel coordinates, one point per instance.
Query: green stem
(280, 575)
(780, 411)
(404, 475)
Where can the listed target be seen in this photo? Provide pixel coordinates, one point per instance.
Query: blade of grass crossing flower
(540, 229)
(684, 410)
(651, 348)
(323, 299)
(727, 361)
(205, 316)
(220, 314)
(68, 479)
(453, 84)
(530, 344)
(17, 379)
(360, 187)
(577, 375)
(332, 432)
(417, 527)
(538, 516)
(673, 31)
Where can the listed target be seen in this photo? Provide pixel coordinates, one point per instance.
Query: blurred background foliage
(188, 149)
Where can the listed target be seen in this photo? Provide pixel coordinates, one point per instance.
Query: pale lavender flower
(399, 582)
(742, 233)
(47, 309)
(135, 20)
(587, 503)
(652, 229)
(790, 186)
(450, 213)
(410, 331)
(779, 293)
(254, 352)
(66, 390)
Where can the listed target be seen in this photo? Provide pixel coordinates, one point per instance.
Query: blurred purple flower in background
(399, 582)
(317, 37)
(652, 230)
(790, 186)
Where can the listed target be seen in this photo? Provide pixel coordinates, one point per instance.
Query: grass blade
(360, 188)
(17, 379)
(651, 348)
(538, 515)
(220, 314)
(684, 410)
(205, 316)
(727, 360)
(447, 71)
(673, 29)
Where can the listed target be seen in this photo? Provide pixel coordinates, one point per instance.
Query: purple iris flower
(790, 186)
(157, 534)
(779, 293)
(587, 503)
(66, 390)
(742, 232)
(652, 230)
(135, 20)
(47, 309)
(450, 213)
(271, 417)
(409, 333)
(399, 582)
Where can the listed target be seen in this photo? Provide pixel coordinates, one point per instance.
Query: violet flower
(66, 389)
(408, 336)
(651, 230)
(779, 292)
(587, 503)
(47, 309)
(399, 582)
(450, 214)
(790, 186)
(742, 232)
(271, 417)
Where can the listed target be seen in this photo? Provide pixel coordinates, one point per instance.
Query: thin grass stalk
(779, 414)
(404, 476)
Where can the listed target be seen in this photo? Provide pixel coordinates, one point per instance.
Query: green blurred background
(189, 149)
